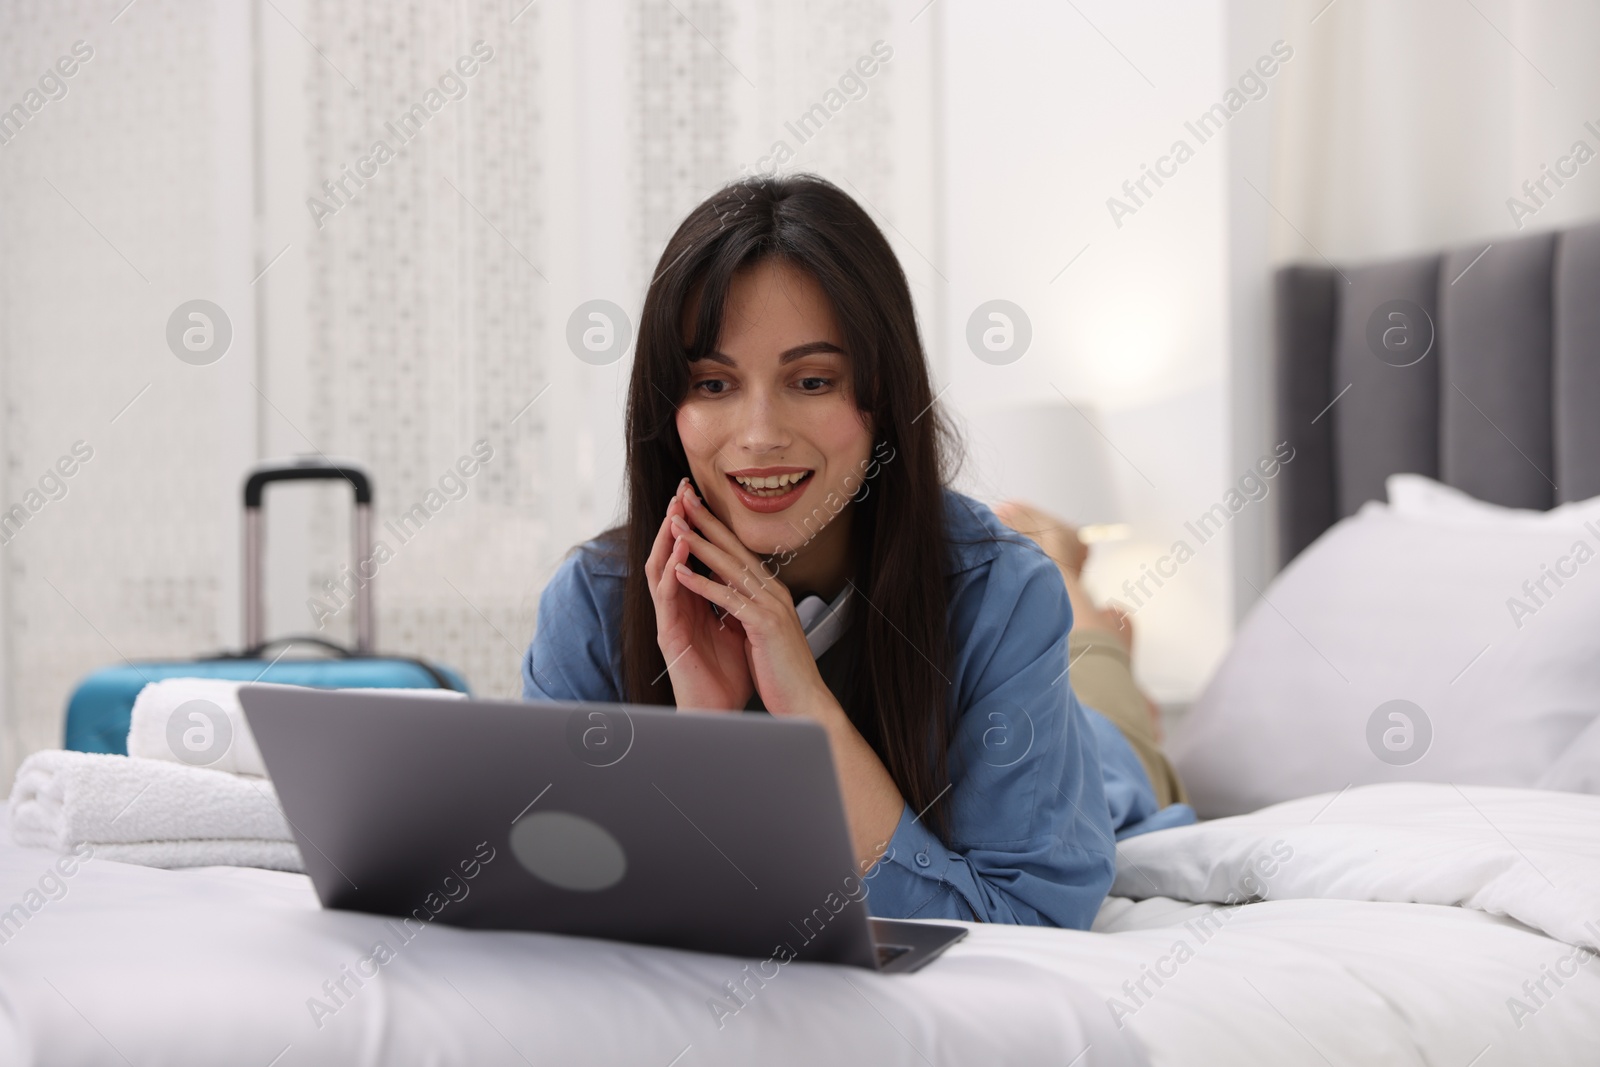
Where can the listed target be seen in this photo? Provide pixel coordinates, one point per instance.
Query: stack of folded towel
(155, 812)
(154, 806)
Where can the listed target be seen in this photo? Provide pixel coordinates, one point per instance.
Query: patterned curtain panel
(392, 210)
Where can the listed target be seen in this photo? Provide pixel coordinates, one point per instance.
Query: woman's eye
(812, 385)
(705, 386)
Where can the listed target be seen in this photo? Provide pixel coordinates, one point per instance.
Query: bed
(1448, 923)
(1395, 924)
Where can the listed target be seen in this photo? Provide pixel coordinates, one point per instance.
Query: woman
(791, 546)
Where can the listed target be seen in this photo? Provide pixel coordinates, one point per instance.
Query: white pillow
(1386, 606)
(1420, 496)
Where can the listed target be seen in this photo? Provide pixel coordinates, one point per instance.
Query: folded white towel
(194, 721)
(155, 812)
(198, 721)
(212, 852)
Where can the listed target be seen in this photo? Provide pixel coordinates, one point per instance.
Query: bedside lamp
(1050, 455)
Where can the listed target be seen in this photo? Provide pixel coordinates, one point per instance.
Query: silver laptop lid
(716, 832)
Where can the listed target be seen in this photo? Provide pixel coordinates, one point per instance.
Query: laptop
(719, 833)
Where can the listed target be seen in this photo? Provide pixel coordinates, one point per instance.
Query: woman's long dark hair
(898, 533)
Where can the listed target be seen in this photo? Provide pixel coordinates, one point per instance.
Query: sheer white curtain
(1409, 126)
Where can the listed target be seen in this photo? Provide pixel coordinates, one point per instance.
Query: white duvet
(1531, 855)
(1397, 924)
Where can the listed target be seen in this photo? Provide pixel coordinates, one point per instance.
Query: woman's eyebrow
(789, 356)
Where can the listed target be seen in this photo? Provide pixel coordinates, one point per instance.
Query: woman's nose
(761, 424)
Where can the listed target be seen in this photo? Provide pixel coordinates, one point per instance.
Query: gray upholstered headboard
(1504, 404)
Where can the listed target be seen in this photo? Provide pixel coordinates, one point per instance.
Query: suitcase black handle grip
(308, 471)
(260, 651)
(339, 652)
(311, 468)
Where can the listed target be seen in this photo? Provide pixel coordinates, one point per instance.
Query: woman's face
(770, 423)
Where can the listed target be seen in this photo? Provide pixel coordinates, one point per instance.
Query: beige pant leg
(1102, 677)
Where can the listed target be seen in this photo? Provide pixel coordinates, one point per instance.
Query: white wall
(1253, 27)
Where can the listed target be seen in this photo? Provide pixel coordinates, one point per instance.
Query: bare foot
(1060, 542)
(1058, 539)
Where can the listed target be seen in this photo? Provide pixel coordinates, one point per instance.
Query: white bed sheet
(217, 965)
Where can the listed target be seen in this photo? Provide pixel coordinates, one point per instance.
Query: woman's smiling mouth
(769, 489)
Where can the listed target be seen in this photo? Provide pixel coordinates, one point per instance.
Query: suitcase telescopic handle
(309, 469)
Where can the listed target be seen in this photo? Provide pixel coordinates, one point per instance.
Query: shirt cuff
(916, 848)
(910, 881)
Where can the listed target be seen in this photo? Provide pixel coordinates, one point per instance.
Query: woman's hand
(781, 664)
(780, 661)
(705, 655)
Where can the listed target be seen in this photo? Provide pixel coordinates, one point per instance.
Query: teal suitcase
(99, 709)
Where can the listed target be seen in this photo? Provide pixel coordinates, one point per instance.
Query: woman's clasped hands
(756, 644)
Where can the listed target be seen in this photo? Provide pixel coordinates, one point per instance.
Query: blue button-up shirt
(1040, 785)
